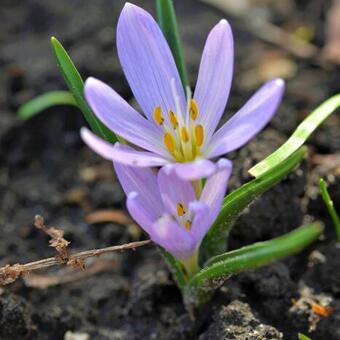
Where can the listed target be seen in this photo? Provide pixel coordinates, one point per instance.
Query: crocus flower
(174, 127)
(168, 208)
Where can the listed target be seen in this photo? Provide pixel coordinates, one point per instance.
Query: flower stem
(198, 186)
(191, 265)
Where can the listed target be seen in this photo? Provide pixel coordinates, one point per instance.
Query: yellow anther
(170, 142)
(199, 134)
(173, 119)
(180, 209)
(184, 134)
(157, 115)
(187, 224)
(193, 109)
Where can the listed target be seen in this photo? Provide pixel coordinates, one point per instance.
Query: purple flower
(175, 128)
(168, 208)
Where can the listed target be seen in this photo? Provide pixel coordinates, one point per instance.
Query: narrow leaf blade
(216, 240)
(166, 18)
(259, 254)
(330, 206)
(76, 86)
(45, 101)
(298, 138)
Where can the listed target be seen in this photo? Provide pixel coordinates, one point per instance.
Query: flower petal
(147, 61)
(197, 169)
(144, 201)
(210, 202)
(174, 190)
(121, 118)
(140, 180)
(214, 78)
(121, 153)
(215, 188)
(173, 238)
(142, 212)
(200, 223)
(249, 120)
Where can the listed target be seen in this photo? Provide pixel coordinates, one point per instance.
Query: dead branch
(265, 30)
(57, 238)
(11, 273)
(67, 274)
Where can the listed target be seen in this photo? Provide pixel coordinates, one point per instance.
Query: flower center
(182, 139)
(182, 216)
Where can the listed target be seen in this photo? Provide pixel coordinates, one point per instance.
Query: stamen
(193, 109)
(170, 142)
(184, 134)
(157, 115)
(180, 209)
(199, 134)
(187, 224)
(173, 119)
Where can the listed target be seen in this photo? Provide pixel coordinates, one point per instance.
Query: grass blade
(166, 18)
(330, 206)
(259, 254)
(216, 240)
(298, 138)
(45, 101)
(76, 86)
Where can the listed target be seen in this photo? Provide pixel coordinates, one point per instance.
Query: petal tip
(279, 82)
(224, 22)
(224, 26)
(132, 195)
(91, 83)
(167, 169)
(84, 133)
(224, 163)
(129, 7)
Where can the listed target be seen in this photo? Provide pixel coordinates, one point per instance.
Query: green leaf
(215, 241)
(176, 269)
(303, 337)
(76, 86)
(330, 206)
(298, 138)
(45, 101)
(220, 267)
(166, 18)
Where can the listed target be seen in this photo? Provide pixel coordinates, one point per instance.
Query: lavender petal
(249, 120)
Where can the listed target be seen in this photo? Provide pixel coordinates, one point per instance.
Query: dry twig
(67, 275)
(57, 238)
(265, 30)
(102, 216)
(10, 273)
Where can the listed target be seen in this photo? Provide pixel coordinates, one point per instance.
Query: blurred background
(46, 169)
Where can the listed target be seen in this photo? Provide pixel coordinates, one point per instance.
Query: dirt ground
(46, 169)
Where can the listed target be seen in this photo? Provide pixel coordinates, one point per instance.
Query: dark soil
(44, 169)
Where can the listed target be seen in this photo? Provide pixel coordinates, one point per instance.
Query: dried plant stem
(265, 30)
(9, 274)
